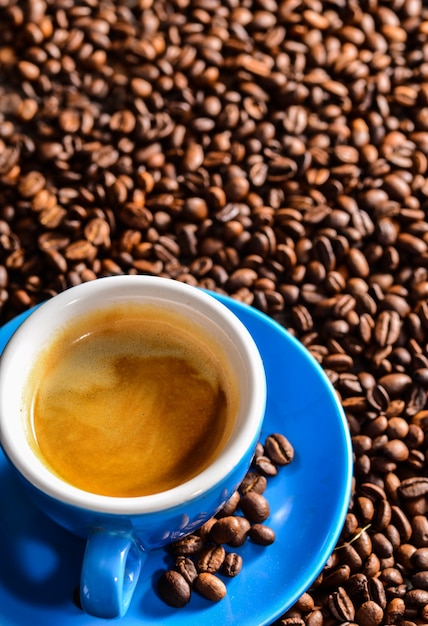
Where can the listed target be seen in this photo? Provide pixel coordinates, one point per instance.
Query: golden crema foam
(130, 401)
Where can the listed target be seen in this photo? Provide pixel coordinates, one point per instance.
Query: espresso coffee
(129, 401)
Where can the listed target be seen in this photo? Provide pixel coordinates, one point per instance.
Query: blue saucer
(40, 562)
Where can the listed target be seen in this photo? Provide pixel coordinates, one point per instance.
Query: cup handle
(111, 567)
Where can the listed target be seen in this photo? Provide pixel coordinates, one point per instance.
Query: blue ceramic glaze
(151, 530)
(110, 572)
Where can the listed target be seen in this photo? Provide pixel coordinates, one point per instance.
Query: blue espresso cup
(121, 530)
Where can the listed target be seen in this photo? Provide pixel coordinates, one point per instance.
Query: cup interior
(197, 306)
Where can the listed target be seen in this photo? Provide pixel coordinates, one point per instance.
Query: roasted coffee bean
(264, 466)
(231, 505)
(186, 567)
(341, 606)
(205, 529)
(337, 577)
(210, 586)
(402, 523)
(253, 481)
(357, 587)
(225, 530)
(382, 516)
(192, 544)
(420, 580)
(394, 610)
(416, 598)
(210, 559)
(261, 534)
(350, 556)
(174, 589)
(255, 507)
(315, 618)
(404, 555)
(387, 328)
(362, 543)
(377, 592)
(396, 450)
(366, 508)
(391, 576)
(305, 603)
(396, 383)
(413, 487)
(232, 564)
(419, 531)
(369, 614)
(419, 558)
(279, 449)
(240, 537)
(382, 546)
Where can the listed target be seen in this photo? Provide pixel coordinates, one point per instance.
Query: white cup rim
(14, 441)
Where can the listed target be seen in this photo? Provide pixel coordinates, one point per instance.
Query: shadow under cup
(119, 530)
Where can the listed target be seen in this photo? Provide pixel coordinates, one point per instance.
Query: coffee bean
(186, 567)
(377, 592)
(255, 507)
(341, 605)
(261, 534)
(97, 231)
(253, 481)
(402, 523)
(382, 546)
(337, 577)
(174, 589)
(419, 526)
(419, 558)
(420, 580)
(366, 509)
(357, 587)
(396, 450)
(350, 556)
(189, 545)
(372, 566)
(292, 621)
(264, 466)
(225, 530)
(362, 543)
(369, 614)
(391, 576)
(240, 537)
(416, 597)
(204, 531)
(305, 603)
(394, 610)
(413, 487)
(232, 564)
(395, 384)
(211, 559)
(231, 505)
(387, 328)
(210, 586)
(279, 449)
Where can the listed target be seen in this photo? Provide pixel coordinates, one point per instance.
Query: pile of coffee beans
(272, 150)
(201, 558)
